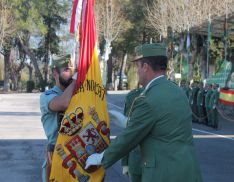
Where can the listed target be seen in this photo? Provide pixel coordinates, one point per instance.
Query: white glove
(118, 118)
(94, 160)
(125, 170)
(74, 77)
(214, 107)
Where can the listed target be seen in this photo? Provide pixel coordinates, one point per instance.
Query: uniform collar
(149, 84)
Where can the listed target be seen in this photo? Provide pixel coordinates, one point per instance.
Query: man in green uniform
(182, 84)
(160, 122)
(53, 103)
(185, 87)
(131, 162)
(208, 88)
(194, 92)
(200, 103)
(214, 99)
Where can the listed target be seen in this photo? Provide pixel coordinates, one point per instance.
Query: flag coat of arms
(85, 126)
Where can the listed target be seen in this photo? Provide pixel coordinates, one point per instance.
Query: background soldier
(182, 84)
(185, 87)
(214, 99)
(204, 104)
(193, 103)
(53, 103)
(200, 95)
(207, 104)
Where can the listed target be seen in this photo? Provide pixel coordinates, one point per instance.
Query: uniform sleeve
(124, 161)
(139, 126)
(44, 102)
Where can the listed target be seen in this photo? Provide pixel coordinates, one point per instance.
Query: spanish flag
(226, 97)
(85, 126)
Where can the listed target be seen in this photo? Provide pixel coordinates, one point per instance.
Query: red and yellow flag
(226, 97)
(85, 127)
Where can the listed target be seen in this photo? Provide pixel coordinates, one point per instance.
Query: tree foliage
(34, 32)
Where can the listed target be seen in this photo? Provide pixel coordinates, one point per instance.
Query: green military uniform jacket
(200, 97)
(132, 160)
(214, 99)
(161, 123)
(190, 97)
(207, 99)
(194, 95)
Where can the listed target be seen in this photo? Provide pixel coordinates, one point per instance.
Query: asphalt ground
(22, 142)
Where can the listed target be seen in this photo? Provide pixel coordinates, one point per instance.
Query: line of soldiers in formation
(203, 101)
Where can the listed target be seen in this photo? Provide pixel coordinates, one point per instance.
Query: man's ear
(146, 67)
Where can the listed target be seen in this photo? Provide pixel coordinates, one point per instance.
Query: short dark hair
(156, 62)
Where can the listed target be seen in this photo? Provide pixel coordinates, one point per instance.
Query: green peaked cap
(149, 50)
(61, 61)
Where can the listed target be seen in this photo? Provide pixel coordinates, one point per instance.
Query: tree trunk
(18, 75)
(30, 70)
(6, 70)
(203, 64)
(18, 86)
(171, 69)
(109, 83)
(46, 58)
(12, 69)
(123, 66)
(191, 59)
(34, 61)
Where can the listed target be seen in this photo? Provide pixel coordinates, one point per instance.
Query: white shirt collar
(147, 86)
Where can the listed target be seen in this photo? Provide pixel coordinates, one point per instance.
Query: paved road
(22, 142)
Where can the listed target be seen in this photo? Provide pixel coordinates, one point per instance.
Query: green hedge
(30, 86)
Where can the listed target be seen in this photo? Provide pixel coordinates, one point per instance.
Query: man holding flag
(85, 126)
(53, 103)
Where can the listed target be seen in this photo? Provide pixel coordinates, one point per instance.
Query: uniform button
(144, 163)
